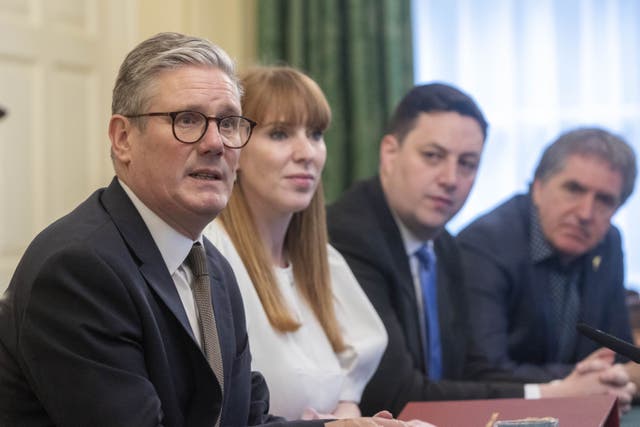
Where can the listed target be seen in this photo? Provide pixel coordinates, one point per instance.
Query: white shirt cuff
(532, 391)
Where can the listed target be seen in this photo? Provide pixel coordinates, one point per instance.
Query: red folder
(590, 411)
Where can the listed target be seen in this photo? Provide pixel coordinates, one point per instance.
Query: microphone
(622, 347)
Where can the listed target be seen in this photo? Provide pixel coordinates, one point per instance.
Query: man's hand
(600, 359)
(591, 377)
(633, 370)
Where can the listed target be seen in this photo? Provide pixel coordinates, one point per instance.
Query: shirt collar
(174, 246)
(410, 241)
(539, 248)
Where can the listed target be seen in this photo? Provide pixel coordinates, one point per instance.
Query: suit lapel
(152, 267)
(393, 240)
(595, 276)
(406, 294)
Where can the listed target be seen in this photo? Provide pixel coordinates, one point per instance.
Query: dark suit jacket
(93, 332)
(510, 299)
(362, 228)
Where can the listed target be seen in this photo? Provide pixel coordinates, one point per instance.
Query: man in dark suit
(541, 261)
(428, 163)
(104, 323)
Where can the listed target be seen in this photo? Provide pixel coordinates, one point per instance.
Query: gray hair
(164, 51)
(594, 142)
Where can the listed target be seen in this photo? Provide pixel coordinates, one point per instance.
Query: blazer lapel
(595, 277)
(406, 294)
(152, 267)
(393, 240)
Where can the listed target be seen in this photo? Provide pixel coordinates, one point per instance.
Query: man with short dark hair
(541, 261)
(391, 230)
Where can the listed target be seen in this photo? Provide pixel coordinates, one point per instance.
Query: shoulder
(343, 280)
(613, 238)
(356, 204)
(223, 247)
(345, 286)
(352, 304)
(611, 246)
(85, 235)
(228, 256)
(360, 222)
(509, 221)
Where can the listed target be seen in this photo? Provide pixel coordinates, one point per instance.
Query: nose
(303, 148)
(211, 141)
(586, 207)
(448, 176)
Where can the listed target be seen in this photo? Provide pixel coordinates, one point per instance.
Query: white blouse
(301, 368)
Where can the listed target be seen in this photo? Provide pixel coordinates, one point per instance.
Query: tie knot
(426, 256)
(197, 260)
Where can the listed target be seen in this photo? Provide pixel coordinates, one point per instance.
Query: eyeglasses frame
(208, 119)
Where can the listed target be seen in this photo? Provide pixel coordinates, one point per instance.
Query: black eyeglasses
(190, 126)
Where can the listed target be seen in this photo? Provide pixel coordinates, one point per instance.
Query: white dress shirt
(300, 367)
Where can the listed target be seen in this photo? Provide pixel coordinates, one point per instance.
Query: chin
(299, 204)
(213, 207)
(573, 249)
(436, 220)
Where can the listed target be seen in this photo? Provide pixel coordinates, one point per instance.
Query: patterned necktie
(428, 274)
(566, 306)
(201, 288)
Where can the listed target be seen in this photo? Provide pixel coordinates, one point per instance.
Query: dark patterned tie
(201, 287)
(427, 262)
(566, 307)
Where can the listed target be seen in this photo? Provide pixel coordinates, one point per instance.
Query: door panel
(57, 64)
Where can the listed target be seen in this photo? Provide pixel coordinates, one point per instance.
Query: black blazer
(510, 298)
(362, 228)
(93, 332)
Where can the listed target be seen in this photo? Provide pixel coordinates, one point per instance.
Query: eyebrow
(280, 123)
(464, 154)
(227, 110)
(584, 188)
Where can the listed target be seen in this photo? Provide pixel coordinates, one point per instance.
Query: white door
(58, 60)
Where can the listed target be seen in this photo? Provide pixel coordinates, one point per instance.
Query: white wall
(58, 61)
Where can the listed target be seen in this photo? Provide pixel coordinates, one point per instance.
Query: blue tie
(428, 274)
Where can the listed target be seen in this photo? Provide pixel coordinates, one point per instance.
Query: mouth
(301, 179)
(577, 231)
(206, 175)
(301, 176)
(441, 200)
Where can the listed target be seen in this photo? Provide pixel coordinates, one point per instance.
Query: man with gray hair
(540, 262)
(121, 313)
